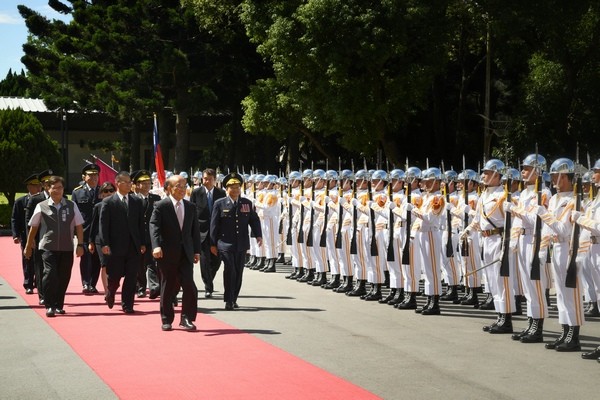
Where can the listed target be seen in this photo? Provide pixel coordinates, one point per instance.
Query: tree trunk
(182, 140)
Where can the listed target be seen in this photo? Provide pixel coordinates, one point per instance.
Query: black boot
(386, 282)
(398, 298)
(280, 259)
(260, 264)
(425, 306)
(320, 280)
(309, 276)
(300, 274)
(593, 310)
(250, 262)
(270, 266)
(464, 297)
(451, 294)
(346, 286)
(364, 296)
(518, 336)
(535, 333)
(409, 302)
(375, 294)
(504, 325)
(488, 304)
(389, 297)
(472, 299)
(293, 274)
(434, 307)
(333, 283)
(560, 340)
(487, 328)
(359, 289)
(571, 342)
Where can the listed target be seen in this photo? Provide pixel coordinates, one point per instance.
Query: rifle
(323, 240)
(446, 194)
(338, 236)
(288, 239)
(372, 214)
(390, 248)
(504, 266)
(406, 249)
(309, 239)
(301, 227)
(465, 247)
(282, 207)
(353, 245)
(535, 261)
(571, 279)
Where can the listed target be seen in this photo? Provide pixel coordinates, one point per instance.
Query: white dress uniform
(365, 268)
(472, 261)
(269, 210)
(344, 257)
(398, 235)
(411, 268)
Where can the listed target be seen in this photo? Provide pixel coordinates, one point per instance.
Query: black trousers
(38, 267)
(174, 276)
(28, 270)
(233, 269)
(148, 275)
(209, 266)
(124, 267)
(57, 274)
(89, 267)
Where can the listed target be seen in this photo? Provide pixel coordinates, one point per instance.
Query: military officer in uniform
(86, 196)
(229, 236)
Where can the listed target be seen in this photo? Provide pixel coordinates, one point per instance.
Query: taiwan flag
(158, 160)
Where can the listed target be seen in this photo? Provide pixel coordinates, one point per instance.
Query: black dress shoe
(60, 311)
(207, 295)
(93, 290)
(166, 327)
(229, 306)
(235, 305)
(41, 302)
(86, 289)
(50, 312)
(141, 294)
(591, 355)
(110, 299)
(153, 294)
(128, 310)
(29, 291)
(187, 324)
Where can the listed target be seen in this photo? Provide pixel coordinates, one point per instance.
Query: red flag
(158, 160)
(107, 173)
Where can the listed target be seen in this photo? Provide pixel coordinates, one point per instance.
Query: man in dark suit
(19, 230)
(86, 196)
(175, 237)
(204, 197)
(229, 223)
(143, 184)
(121, 236)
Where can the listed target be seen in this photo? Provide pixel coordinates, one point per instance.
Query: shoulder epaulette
(78, 187)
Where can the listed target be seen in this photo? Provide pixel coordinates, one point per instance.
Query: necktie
(210, 202)
(125, 201)
(179, 212)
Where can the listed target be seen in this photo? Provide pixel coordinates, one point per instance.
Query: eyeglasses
(108, 190)
(180, 186)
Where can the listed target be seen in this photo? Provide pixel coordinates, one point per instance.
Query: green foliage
(25, 149)
(14, 85)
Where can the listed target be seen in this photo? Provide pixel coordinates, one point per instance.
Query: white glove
(467, 209)
(465, 234)
(449, 206)
(507, 205)
(541, 210)
(409, 207)
(302, 199)
(312, 204)
(342, 200)
(327, 199)
(355, 202)
(575, 215)
(392, 205)
(370, 203)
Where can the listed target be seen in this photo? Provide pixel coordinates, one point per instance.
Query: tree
(25, 149)
(15, 85)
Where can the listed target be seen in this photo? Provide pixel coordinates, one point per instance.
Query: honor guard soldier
(283, 220)
(142, 185)
(411, 270)
(530, 264)
(305, 222)
(269, 210)
(86, 196)
(590, 276)
(317, 207)
(19, 230)
(293, 204)
(344, 233)
(559, 227)
(257, 199)
(330, 220)
(489, 221)
(467, 182)
(427, 242)
(450, 266)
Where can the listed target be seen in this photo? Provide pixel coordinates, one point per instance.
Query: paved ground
(394, 354)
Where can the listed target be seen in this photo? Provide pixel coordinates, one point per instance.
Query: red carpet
(139, 361)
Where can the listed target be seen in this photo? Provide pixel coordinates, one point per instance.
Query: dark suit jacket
(166, 234)
(148, 206)
(119, 225)
(17, 220)
(229, 225)
(200, 199)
